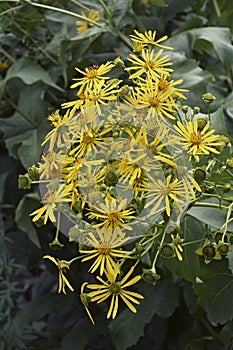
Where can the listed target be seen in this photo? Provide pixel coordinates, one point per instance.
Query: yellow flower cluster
(113, 165)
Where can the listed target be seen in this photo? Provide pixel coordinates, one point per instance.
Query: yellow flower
(60, 133)
(92, 75)
(50, 199)
(197, 142)
(162, 193)
(89, 139)
(83, 26)
(148, 95)
(150, 64)
(99, 94)
(165, 84)
(115, 289)
(62, 265)
(148, 38)
(105, 253)
(51, 165)
(135, 164)
(113, 214)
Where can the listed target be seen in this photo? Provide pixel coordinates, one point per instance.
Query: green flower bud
(185, 109)
(167, 251)
(209, 251)
(227, 187)
(196, 110)
(201, 123)
(199, 175)
(119, 62)
(111, 178)
(208, 98)
(150, 276)
(218, 236)
(56, 245)
(33, 172)
(139, 249)
(229, 163)
(24, 182)
(223, 248)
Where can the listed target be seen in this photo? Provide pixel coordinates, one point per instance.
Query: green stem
(11, 10)
(229, 211)
(207, 325)
(216, 7)
(106, 10)
(211, 205)
(193, 242)
(137, 21)
(66, 12)
(25, 116)
(7, 54)
(158, 249)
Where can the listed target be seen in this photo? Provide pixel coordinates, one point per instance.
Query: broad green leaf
(194, 78)
(189, 267)
(218, 37)
(87, 330)
(119, 8)
(210, 216)
(161, 299)
(30, 150)
(29, 72)
(215, 293)
(22, 218)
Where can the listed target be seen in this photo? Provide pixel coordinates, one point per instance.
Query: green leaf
(219, 38)
(210, 216)
(89, 33)
(158, 3)
(161, 300)
(218, 122)
(189, 267)
(215, 293)
(30, 150)
(22, 218)
(29, 72)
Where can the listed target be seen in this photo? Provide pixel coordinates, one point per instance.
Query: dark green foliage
(191, 306)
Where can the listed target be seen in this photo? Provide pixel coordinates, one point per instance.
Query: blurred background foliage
(39, 50)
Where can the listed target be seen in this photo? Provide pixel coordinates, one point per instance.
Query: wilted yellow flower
(62, 265)
(115, 289)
